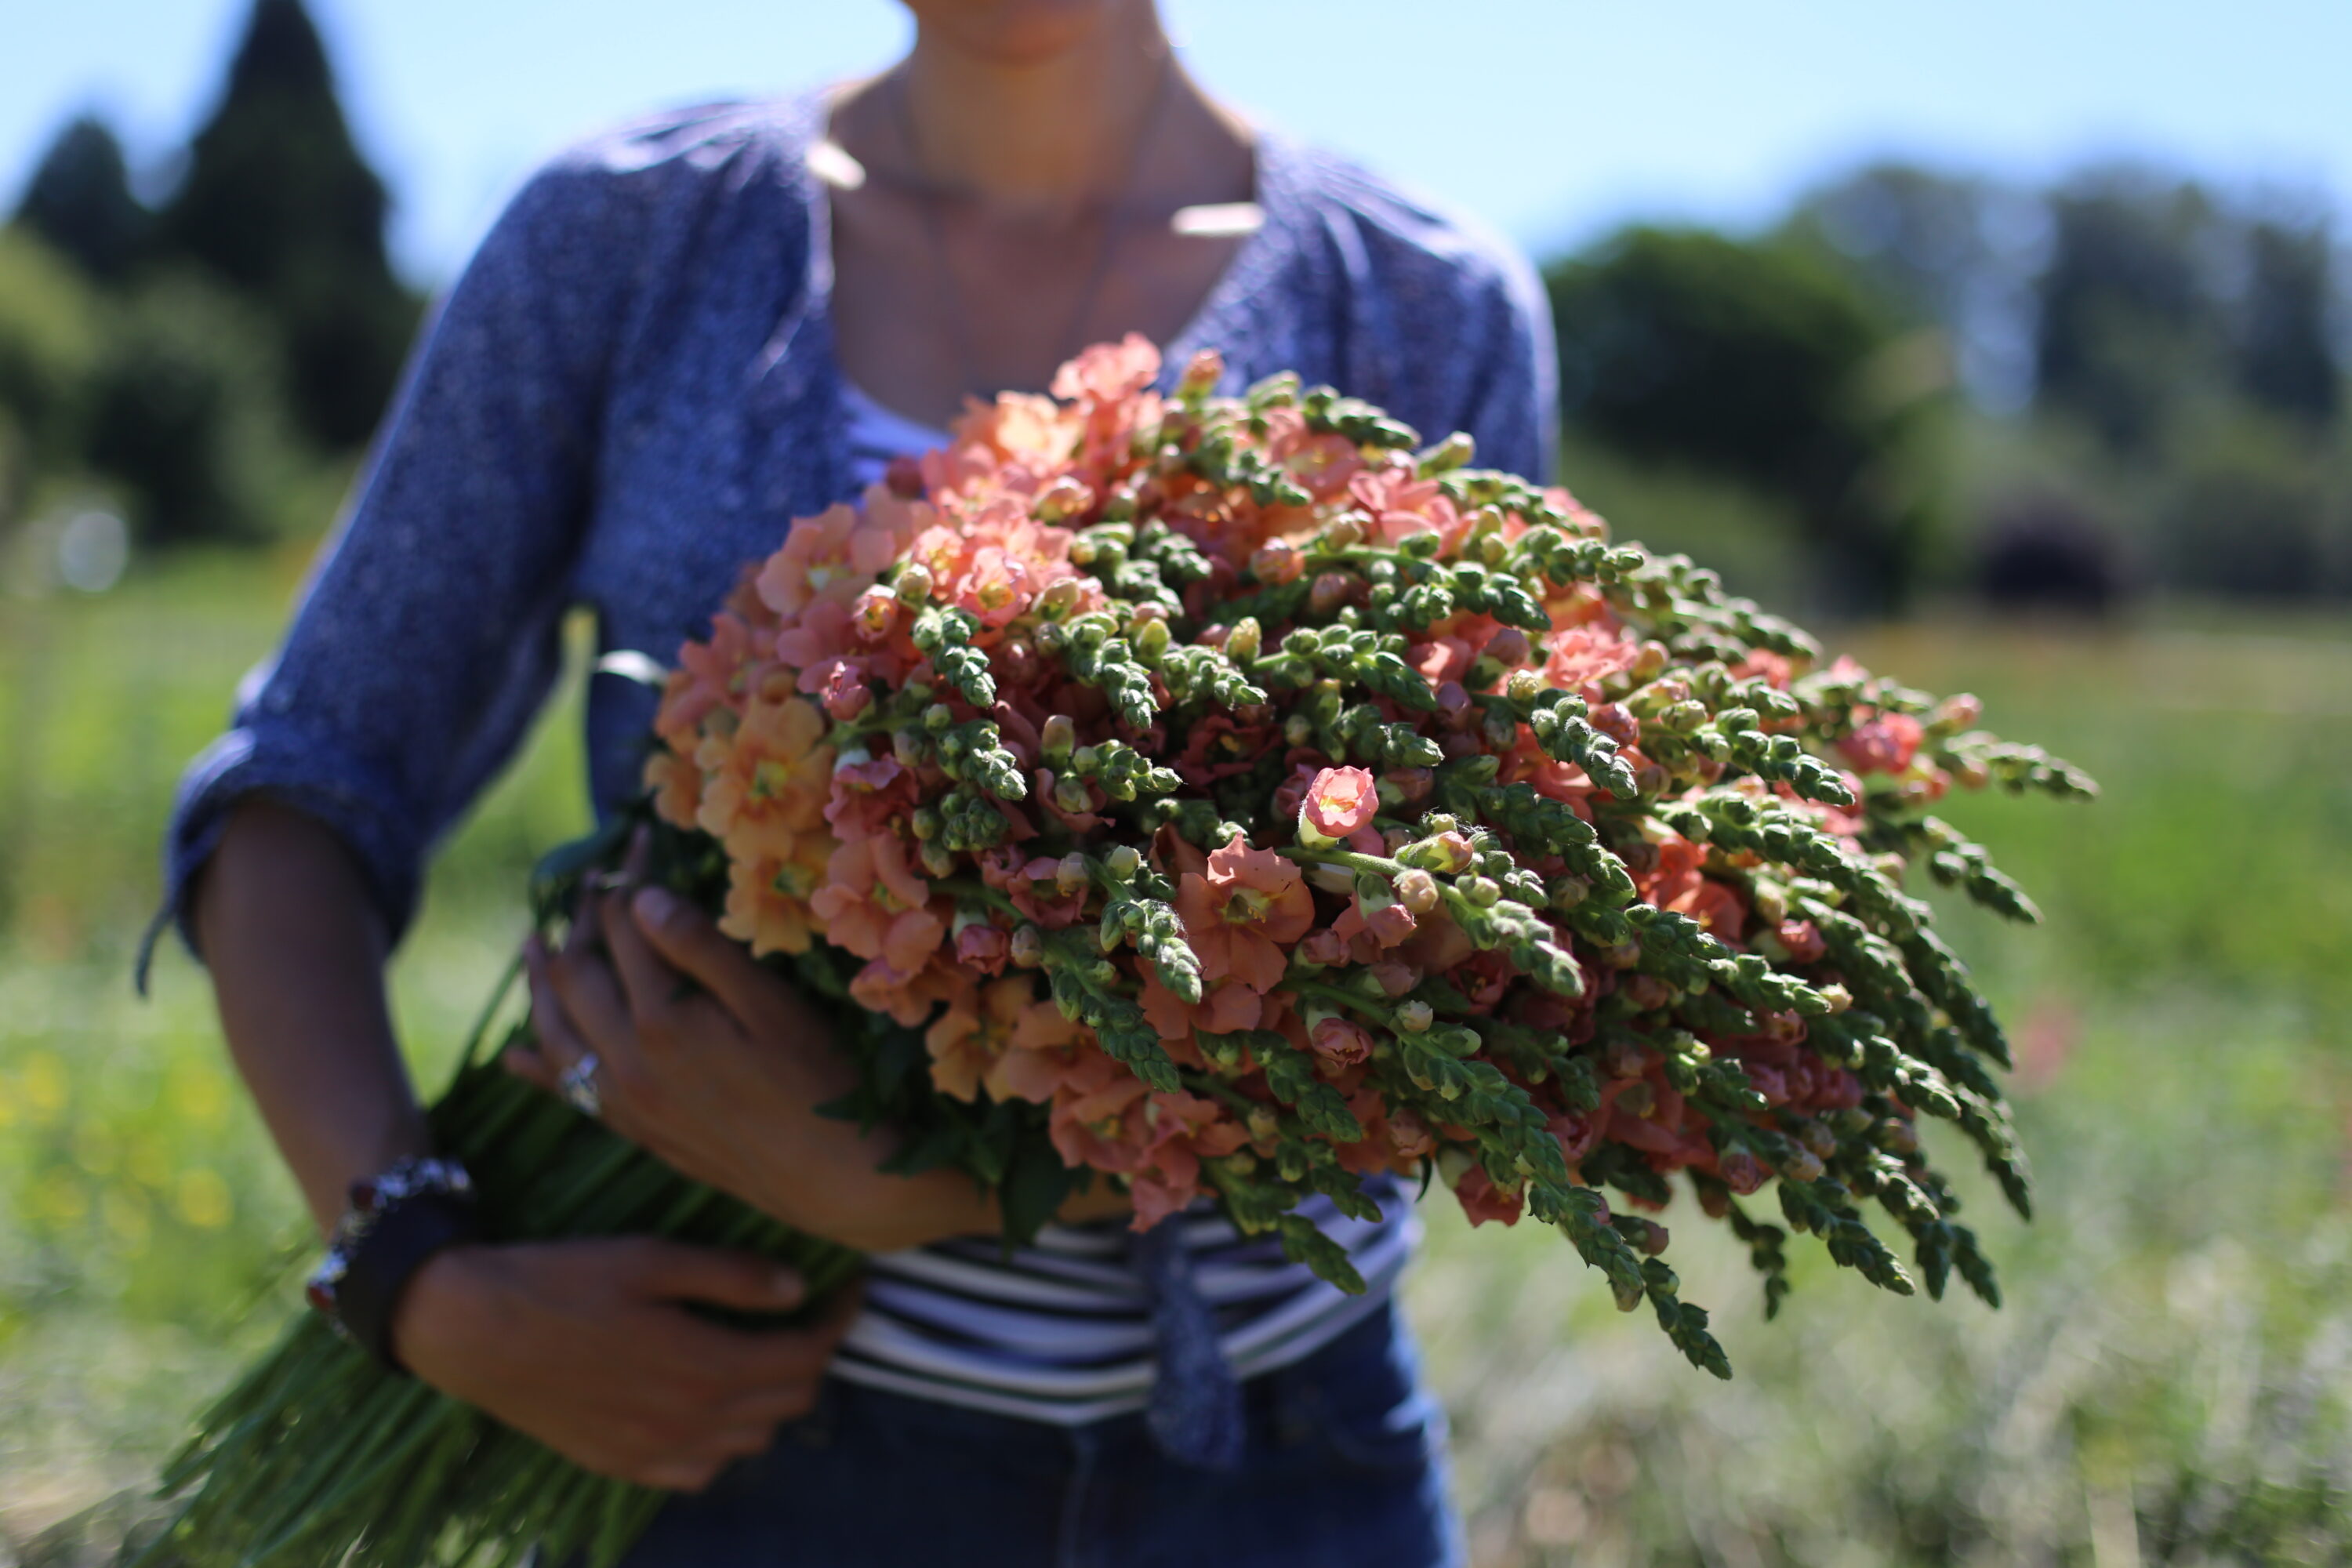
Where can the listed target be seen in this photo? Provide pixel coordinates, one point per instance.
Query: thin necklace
(927, 198)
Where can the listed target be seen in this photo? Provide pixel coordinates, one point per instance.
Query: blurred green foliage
(212, 367)
(1760, 362)
(145, 1222)
(2154, 371)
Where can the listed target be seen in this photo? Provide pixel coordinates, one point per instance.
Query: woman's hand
(719, 1075)
(589, 1347)
(717, 1066)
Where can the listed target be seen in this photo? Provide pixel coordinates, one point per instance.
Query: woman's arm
(297, 949)
(721, 1078)
(585, 1345)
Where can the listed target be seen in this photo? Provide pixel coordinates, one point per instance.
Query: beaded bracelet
(398, 1220)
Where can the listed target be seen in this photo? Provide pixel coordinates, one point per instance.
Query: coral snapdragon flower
(1104, 1119)
(1240, 917)
(1584, 657)
(709, 675)
(873, 903)
(1482, 1201)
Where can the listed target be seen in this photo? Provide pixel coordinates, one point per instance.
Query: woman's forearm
(889, 1213)
(295, 950)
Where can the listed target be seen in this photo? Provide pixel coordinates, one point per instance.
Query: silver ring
(578, 1087)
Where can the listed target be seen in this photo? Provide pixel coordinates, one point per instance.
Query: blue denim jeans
(1345, 1466)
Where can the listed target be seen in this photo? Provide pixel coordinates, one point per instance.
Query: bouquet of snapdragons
(1232, 798)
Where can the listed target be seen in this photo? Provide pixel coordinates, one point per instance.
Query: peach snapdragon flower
(1584, 657)
(765, 786)
(1003, 1038)
(768, 900)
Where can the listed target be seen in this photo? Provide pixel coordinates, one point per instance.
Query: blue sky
(1551, 119)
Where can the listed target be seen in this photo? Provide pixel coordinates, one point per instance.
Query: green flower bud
(914, 585)
(1123, 862)
(1244, 641)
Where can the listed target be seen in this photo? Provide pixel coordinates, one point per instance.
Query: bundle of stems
(321, 1455)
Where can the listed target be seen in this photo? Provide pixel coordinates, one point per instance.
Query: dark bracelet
(396, 1223)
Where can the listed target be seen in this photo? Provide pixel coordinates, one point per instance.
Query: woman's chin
(1018, 32)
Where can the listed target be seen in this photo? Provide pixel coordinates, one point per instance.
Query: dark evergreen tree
(2131, 315)
(2287, 359)
(1759, 361)
(79, 200)
(280, 204)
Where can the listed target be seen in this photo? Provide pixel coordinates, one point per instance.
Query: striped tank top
(1060, 1330)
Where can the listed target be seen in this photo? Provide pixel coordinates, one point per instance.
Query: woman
(677, 339)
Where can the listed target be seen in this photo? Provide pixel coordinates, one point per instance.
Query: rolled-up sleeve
(429, 634)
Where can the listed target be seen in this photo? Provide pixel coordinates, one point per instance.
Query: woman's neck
(1047, 128)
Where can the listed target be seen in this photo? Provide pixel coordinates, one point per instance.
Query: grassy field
(2167, 1383)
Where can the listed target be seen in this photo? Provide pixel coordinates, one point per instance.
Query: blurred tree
(2286, 358)
(50, 338)
(1920, 236)
(1957, 251)
(278, 203)
(79, 200)
(2132, 322)
(2246, 508)
(1764, 363)
(182, 414)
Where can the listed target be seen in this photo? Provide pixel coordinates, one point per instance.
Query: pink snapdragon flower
(1885, 744)
(833, 555)
(1338, 801)
(1339, 1043)
(1583, 656)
